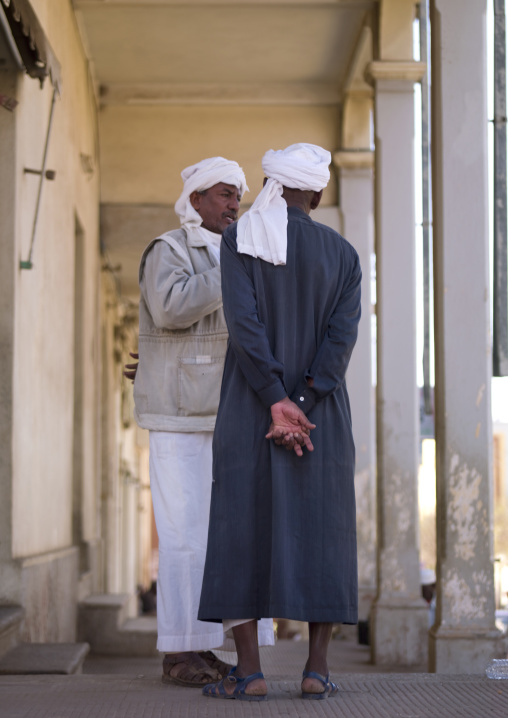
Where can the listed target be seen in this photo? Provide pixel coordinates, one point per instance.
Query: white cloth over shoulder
(211, 239)
(201, 176)
(262, 231)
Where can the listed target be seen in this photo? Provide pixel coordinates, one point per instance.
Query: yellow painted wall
(158, 142)
(44, 297)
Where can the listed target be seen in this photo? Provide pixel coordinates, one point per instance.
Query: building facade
(103, 104)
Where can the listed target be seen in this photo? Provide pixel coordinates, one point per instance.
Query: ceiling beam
(304, 93)
(357, 4)
(361, 58)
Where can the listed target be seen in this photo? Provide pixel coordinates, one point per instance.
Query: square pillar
(356, 180)
(399, 615)
(464, 637)
(10, 592)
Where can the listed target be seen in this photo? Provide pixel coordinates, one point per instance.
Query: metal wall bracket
(27, 264)
(48, 174)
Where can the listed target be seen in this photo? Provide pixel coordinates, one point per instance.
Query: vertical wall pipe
(423, 13)
(500, 338)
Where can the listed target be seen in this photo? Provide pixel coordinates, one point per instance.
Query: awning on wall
(30, 40)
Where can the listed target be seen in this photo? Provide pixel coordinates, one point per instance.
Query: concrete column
(111, 489)
(357, 208)
(9, 572)
(399, 616)
(464, 637)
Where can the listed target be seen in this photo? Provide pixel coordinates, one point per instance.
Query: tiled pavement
(131, 688)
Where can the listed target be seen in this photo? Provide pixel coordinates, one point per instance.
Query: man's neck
(304, 206)
(298, 198)
(212, 231)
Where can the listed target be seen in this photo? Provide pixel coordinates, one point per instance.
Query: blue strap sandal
(217, 690)
(329, 689)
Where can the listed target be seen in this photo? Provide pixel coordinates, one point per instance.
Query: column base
(399, 633)
(366, 599)
(51, 611)
(464, 651)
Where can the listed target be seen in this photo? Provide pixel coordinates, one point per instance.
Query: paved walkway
(131, 688)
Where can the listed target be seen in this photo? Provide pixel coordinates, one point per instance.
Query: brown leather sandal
(214, 662)
(187, 669)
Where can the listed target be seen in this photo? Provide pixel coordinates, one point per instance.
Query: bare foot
(317, 685)
(313, 685)
(187, 669)
(234, 687)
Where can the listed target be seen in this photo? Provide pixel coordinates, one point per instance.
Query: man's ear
(316, 200)
(195, 200)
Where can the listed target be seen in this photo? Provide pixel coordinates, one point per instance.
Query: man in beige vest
(182, 343)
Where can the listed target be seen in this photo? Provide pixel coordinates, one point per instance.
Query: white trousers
(181, 484)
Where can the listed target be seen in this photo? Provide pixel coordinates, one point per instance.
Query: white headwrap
(262, 231)
(201, 176)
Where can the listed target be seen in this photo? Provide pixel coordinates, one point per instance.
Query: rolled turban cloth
(201, 176)
(262, 231)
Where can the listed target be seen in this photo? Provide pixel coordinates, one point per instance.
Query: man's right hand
(290, 427)
(131, 369)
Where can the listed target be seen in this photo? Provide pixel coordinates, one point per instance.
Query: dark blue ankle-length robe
(282, 535)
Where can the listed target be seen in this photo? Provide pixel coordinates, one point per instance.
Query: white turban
(262, 231)
(201, 176)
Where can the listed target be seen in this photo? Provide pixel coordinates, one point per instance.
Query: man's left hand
(290, 427)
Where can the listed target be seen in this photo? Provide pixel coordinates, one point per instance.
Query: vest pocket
(199, 382)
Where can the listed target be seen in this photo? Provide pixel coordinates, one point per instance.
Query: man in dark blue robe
(282, 538)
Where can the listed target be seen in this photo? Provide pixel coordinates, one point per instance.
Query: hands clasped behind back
(290, 427)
